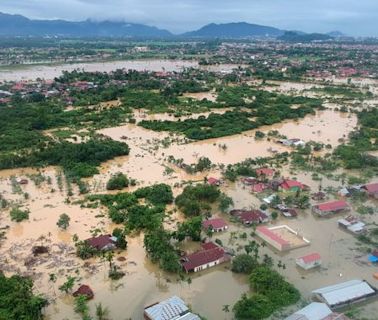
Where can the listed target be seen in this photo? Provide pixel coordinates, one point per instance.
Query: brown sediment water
(144, 283)
(49, 72)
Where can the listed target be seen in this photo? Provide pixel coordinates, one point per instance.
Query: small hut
(84, 290)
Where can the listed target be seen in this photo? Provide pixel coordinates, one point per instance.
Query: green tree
(64, 221)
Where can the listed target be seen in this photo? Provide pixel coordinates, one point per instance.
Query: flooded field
(51, 71)
(144, 283)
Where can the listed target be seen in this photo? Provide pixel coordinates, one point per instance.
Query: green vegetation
(195, 200)
(19, 215)
(17, 300)
(354, 155)
(161, 251)
(243, 263)
(117, 182)
(64, 221)
(271, 293)
(264, 107)
(78, 160)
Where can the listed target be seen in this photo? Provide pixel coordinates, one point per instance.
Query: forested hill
(234, 30)
(17, 25)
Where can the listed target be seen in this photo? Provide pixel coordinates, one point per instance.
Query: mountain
(234, 30)
(336, 34)
(292, 36)
(17, 25)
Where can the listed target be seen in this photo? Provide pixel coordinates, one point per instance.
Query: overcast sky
(353, 17)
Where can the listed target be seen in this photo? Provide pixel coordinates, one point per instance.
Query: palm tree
(101, 312)
(226, 309)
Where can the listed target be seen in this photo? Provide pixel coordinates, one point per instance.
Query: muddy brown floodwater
(47, 72)
(144, 283)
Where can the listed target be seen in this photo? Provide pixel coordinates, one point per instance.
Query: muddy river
(47, 72)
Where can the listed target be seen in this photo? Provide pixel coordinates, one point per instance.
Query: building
(352, 224)
(214, 181)
(292, 142)
(316, 311)
(216, 225)
(267, 172)
(209, 256)
(371, 189)
(84, 290)
(103, 242)
(258, 187)
(309, 261)
(332, 207)
(292, 185)
(282, 238)
(344, 294)
(249, 217)
(171, 309)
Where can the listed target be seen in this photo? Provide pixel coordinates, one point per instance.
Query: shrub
(117, 182)
(19, 215)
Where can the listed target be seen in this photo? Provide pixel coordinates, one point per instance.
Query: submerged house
(292, 185)
(249, 217)
(84, 290)
(103, 242)
(371, 189)
(266, 172)
(216, 225)
(352, 224)
(209, 256)
(316, 311)
(171, 309)
(332, 207)
(214, 181)
(344, 294)
(309, 261)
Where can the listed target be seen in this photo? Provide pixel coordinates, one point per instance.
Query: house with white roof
(346, 293)
(171, 309)
(316, 311)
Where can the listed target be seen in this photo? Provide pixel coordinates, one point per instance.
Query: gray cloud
(350, 16)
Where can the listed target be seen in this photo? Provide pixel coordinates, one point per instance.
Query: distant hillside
(17, 25)
(292, 36)
(234, 30)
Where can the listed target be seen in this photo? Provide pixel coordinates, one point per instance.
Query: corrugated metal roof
(342, 292)
(168, 309)
(314, 311)
(189, 316)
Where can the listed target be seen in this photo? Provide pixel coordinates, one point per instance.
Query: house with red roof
(215, 225)
(103, 242)
(282, 238)
(371, 189)
(214, 181)
(208, 256)
(249, 217)
(267, 172)
(309, 261)
(332, 207)
(258, 187)
(84, 290)
(292, 185)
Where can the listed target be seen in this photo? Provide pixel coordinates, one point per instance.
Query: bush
(117, 182)
(64, 221)
(243, 263)
(19, 215)
(256, 307)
